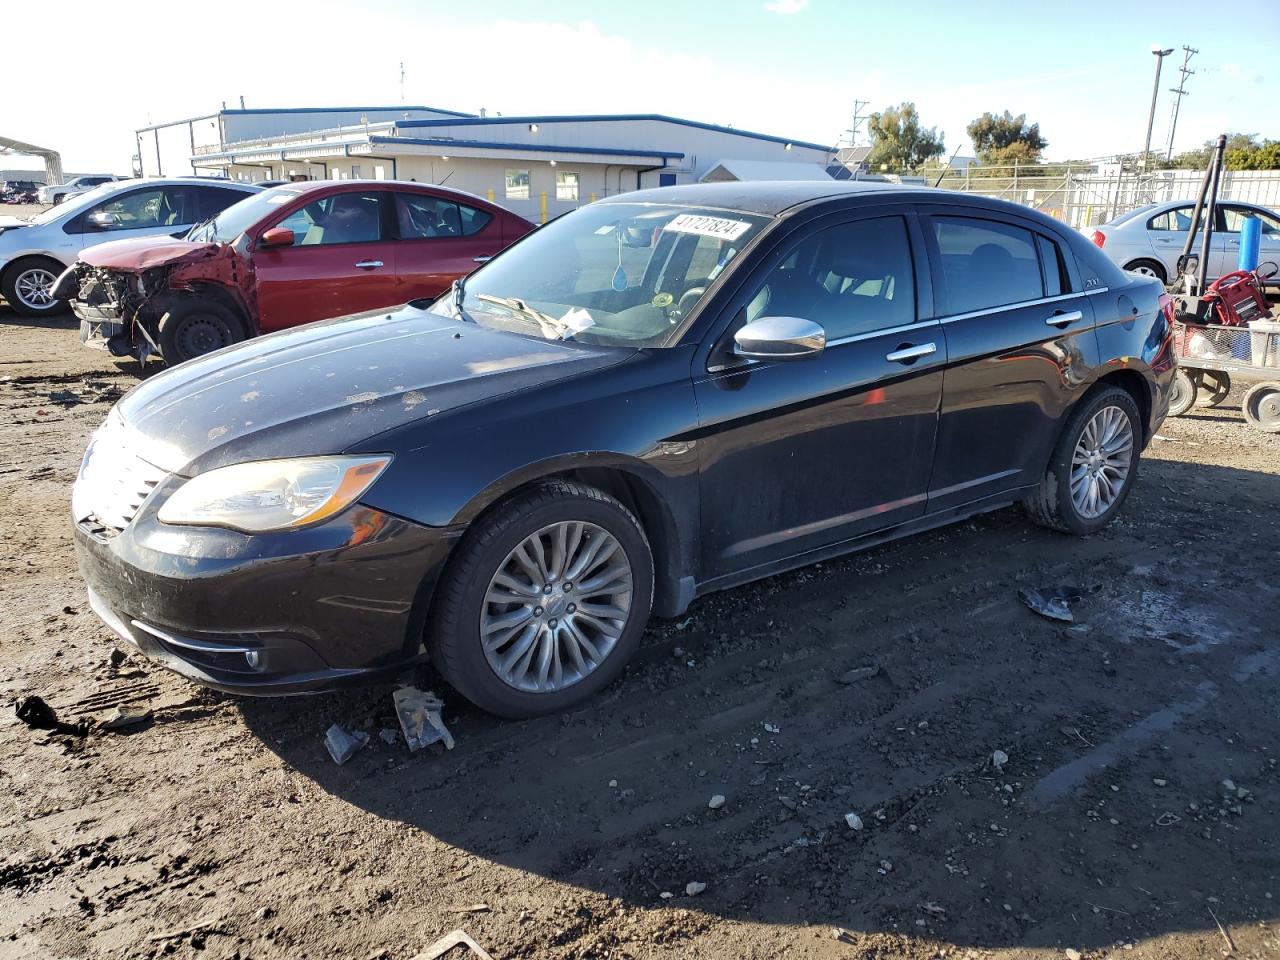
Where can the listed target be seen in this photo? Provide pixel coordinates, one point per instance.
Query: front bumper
(268, 614)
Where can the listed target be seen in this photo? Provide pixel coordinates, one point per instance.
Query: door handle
(481, 259)
(368, 264)
(910, 354)
(1061, 319)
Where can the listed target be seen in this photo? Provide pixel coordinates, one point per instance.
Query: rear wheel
(1182, 395)
(28, 286)
(1217, 386)
(1093, 466)
(1147, 268)
(1262, 406)
(545, 601)
(196, 327)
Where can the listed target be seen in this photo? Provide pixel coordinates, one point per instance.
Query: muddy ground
(221, 828)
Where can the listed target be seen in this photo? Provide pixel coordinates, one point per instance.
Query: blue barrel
(1250, 236)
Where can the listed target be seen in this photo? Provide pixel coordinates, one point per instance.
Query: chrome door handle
(1062, 319)
(368, 264)
(909, 354)
(481, 259)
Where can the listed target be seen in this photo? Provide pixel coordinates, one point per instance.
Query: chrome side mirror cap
(779, 338)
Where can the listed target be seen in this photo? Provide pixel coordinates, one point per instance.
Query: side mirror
(104, 221)
(779, 338)
(276, 237)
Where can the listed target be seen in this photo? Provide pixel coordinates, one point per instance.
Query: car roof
(307, 187)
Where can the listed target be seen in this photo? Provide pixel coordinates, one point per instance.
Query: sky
(792, 68)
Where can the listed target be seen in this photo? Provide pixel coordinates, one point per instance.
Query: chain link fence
(1089, 194)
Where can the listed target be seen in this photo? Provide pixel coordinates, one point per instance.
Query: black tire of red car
(454, 627)
(193, 328)
(1051, 504)
(1183, 393)
(41, 271)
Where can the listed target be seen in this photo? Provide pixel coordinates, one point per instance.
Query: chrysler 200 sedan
(660, 395)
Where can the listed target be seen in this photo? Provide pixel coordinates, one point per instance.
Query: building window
(355, 171)
(666, 179)
(517, 184)
(566, 185)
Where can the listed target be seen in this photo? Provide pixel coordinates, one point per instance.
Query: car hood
(142, 253)
(327, 386)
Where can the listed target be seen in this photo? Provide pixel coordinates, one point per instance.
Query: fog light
(253, 658)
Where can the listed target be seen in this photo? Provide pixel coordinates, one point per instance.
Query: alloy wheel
(1101, 462)
(34, 288)
(556, 607)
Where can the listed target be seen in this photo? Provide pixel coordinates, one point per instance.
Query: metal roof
(394, 108)
(609, 117)
(731, 169)
(447, 142)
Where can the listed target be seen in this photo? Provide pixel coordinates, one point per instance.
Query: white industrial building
(536, 166)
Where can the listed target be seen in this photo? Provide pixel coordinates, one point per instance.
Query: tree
(1005, 139)
(898, 142)
(1244, 152)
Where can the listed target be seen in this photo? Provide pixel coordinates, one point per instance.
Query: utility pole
(1181, 91)
(1155, 92)
(857, 121)
(402, 81)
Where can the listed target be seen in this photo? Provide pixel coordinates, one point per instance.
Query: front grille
(113, 482)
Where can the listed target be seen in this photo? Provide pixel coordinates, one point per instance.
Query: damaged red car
(283, 257)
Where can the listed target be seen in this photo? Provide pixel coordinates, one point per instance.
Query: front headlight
(273, 494)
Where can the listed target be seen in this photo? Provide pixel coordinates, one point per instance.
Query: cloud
(786, 8)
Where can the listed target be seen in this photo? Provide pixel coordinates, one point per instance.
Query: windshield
(609, 273)
(81, 201)
(239, 217)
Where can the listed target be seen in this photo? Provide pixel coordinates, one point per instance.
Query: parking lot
(1135, 815)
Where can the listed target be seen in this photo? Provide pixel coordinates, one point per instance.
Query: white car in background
(57, 192)
(1149, 240)
(34, 251)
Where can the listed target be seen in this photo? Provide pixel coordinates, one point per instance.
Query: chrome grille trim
(113, 483)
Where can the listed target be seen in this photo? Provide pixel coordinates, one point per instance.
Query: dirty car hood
(144, 253)
(324, 387)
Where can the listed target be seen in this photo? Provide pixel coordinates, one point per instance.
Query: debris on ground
(998, 759)
(38, 715)
(716, 802)
(117, 657)
(472, 908)
(853, 820)
(126, 716)
(342, 745)
(388, 736)
(68, 398)
(772, 728)
(459, 938)
(694, 888)
(1051, 602)
(859, 673)
(419, 713)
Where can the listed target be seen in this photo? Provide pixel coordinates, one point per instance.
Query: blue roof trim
(532, 147)
(599, 117)
(401, 108)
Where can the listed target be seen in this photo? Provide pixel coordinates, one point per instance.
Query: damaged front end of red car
(129, 295)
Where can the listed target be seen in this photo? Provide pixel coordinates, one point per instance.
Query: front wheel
(28, 286)
(1093, 466)
(193, 328)
(545, 601)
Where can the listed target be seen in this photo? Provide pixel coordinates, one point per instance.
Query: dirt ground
(1136, 815)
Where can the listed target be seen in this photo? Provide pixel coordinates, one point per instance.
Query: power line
(857, 120)
(1181, 91)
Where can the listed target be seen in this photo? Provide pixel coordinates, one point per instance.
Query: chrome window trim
(952, 318)
(886, 332)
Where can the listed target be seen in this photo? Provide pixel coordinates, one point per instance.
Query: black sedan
(659, 395)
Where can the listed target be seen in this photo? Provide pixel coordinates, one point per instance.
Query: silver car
(1149, 240)
(35, 250)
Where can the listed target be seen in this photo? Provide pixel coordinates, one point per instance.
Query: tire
(1262, 406)
(464, 611)
(1183, 393)
(193, 328)
(1218, 387)
(1053, 504)
(27, 285)
(1148, 268)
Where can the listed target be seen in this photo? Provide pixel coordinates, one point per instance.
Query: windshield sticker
(717, 227)
(577, 320)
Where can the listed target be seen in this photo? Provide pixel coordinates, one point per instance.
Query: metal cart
(1210, 357)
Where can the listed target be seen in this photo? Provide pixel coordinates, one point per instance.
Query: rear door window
(986, 263)
(1177, 220)
(211, 201)
(422, 217)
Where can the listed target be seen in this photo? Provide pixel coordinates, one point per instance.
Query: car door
(1020, 338)
(1232, 221)
(440, 241)
(144, 211)
(797, 455)
(342, 261)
